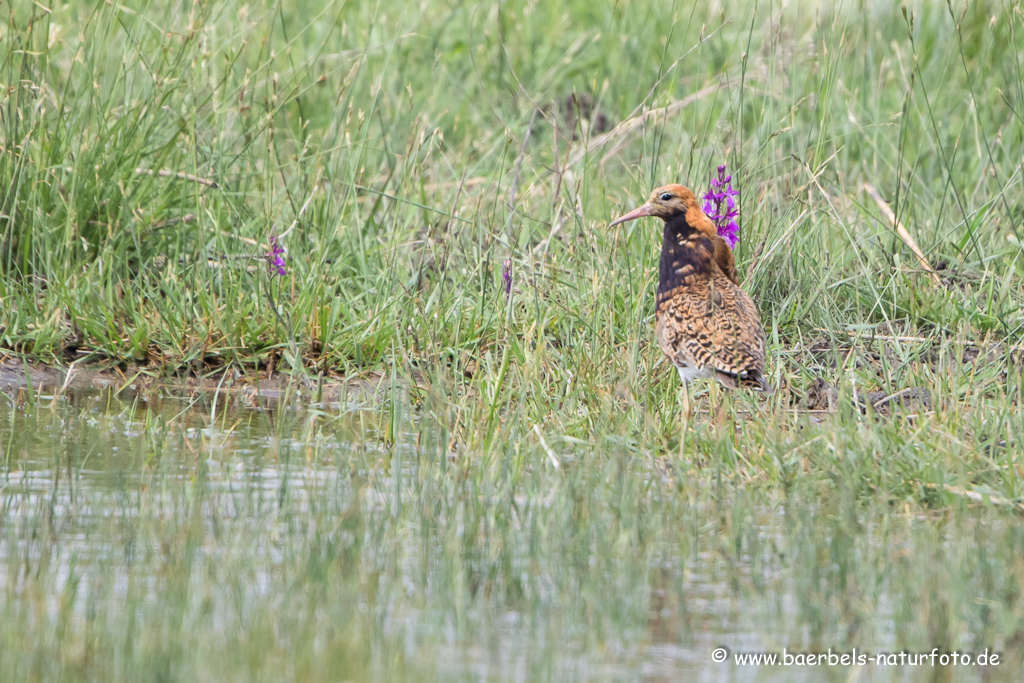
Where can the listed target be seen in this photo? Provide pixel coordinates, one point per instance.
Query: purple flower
(720, 206)
(275, 258)
(506, 275)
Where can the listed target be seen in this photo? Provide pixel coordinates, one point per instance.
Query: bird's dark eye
(665, 197)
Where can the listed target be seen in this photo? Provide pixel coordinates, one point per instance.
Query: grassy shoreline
(402, 154)
(399, 201)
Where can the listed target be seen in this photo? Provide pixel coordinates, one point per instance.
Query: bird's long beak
(638, 212)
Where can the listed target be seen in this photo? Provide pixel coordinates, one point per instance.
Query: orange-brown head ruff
(706, 324)
(670, 202)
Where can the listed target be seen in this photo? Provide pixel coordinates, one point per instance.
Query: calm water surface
(182, 538)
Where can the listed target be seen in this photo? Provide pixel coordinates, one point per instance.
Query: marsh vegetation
(515, 498)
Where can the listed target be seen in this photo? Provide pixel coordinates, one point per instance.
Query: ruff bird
(706, 324)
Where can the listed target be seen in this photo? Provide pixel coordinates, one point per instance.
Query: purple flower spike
(506, 275)
(720, 206)
(275, 258)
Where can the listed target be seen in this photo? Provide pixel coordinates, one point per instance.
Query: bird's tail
(758, 382)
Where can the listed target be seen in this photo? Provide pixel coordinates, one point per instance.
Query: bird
(706, 325)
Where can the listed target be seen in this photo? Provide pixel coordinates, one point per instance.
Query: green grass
(400, 130)
(404, 151)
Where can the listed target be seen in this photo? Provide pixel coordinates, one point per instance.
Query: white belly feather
(688, 372)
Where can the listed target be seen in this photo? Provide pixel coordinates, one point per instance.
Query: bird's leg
(686, 402)
(716, 408)
(686, 419)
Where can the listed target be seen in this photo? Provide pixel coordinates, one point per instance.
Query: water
(178, 537)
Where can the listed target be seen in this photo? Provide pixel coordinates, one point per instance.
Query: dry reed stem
(904, 235)
(976, 497)
(164, 173)
(620, 131)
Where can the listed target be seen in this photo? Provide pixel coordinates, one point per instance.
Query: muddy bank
(258, 388)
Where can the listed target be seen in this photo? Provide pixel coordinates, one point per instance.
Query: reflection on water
(178, 539)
